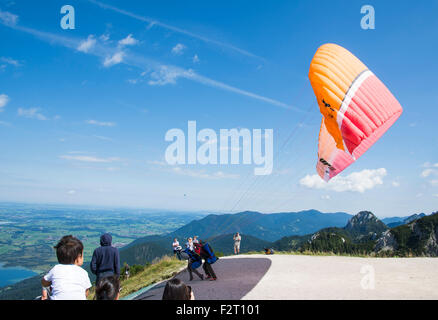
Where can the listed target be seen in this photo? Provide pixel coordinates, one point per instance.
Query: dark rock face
(417, 238)
(365, 226)
(386, 242)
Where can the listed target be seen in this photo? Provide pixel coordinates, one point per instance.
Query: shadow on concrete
(236, 277)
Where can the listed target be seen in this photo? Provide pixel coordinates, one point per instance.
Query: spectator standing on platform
(237, 238)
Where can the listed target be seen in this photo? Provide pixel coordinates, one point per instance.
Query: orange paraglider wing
(356, 106)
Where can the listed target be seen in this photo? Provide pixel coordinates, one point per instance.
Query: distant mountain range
(398, 221)
(365, 234)
(358, 236)
(258, 231)
(305, 230)
(269, 227)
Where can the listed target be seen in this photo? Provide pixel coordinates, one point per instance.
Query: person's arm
(86, 283)
(43, 294)
(93, 263)
(117, 263)
(45, 283)
(46, 280)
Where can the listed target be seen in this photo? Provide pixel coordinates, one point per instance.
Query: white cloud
(395, 184)
(282, 172)
(158, 163)
(355, 182)
(104, 37)
(195, 59)
(100, 123)
(89, 159)
(103, 138)
(10, 61)
(8, 18)
(128, 41)
(114, 59)
(32, 113)
(71, 192)
(430, 165)
(222, 175)
(325, 197)
(4, 99)
(203, 175)
(86, 45)
(429, 172)
(166, 75)
(178, 49)
(150, 25)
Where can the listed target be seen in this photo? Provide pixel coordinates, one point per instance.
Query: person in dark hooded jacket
(105, 261)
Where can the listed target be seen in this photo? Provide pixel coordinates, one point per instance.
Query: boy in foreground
(67, 280)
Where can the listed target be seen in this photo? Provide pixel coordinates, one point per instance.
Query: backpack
(197, 247)
(212, 258)
(196, 259)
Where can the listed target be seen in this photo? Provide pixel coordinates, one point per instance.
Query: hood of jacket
(105, 239)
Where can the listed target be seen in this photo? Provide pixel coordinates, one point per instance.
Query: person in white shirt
(67, 280)
(175, 245)
(176, 248)
(237, 238)
(189, 244)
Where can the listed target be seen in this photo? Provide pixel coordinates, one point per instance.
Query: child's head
(108, 288)
(69, 250)
(177, 290)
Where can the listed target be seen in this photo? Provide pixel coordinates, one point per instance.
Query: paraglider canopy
(356, 107)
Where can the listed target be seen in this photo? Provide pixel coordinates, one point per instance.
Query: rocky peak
(361, 218)
(365, 225)
(414, 217)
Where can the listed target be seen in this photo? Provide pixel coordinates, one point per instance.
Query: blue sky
(84, 112)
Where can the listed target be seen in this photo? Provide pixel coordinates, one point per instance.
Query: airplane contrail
(142, 62)
(175, 29)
